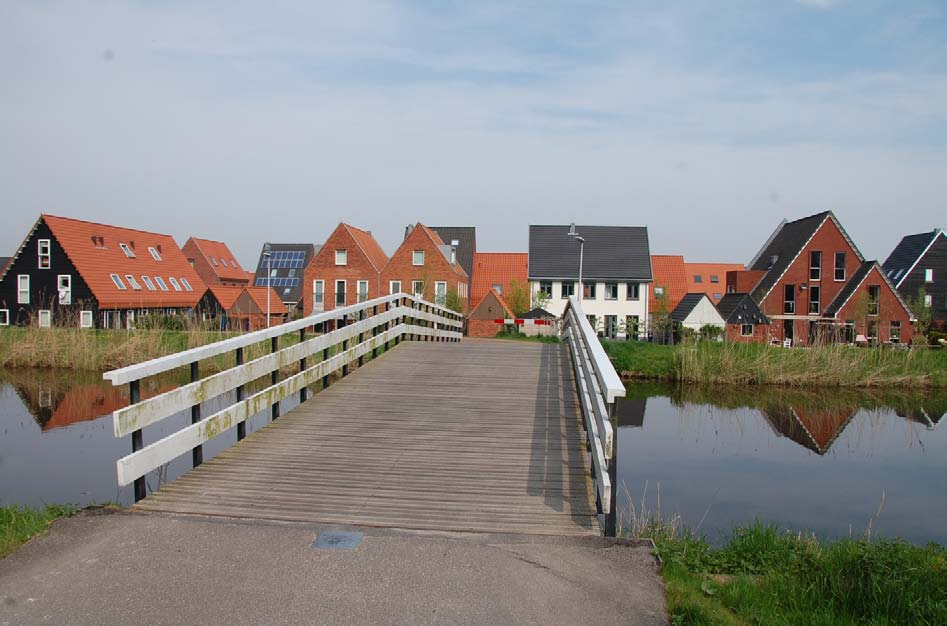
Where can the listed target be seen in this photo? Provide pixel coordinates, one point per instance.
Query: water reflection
(821, 461)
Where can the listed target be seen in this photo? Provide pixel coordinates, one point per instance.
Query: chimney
(407, 230)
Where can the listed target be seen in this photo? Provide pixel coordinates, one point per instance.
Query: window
(64, 285)
(340, 293)
(873, 330)
(440, 293)
(23, 289)
(928, 275)
(611, 326)
(292, 272)
(588, 291)
(567, 289)
(147, 280)
(42, 249)
(214, 262)
(132, 282)
(154, 253)
(789, 299)
(273, 273)
(394, 287)
(498, 288)
(417, 257)
(714, 278)
(631, 326)
(815, 265)
(85, 319)
(45, 318)
(718, 296)
(161, 285)
(894, 333)
(417, 288)
(174, 283)
(698, 278)
(187, 285)
(341, 257)
(128, 251)
(874, 299)
(659, 291)
(611, 291)
(545, 288)
(634, 291)
(233, 264)
(4, 317)
(362, 290)
(814, 299)
(928, 300)
(318, 294)
(118, 282)
(840, 266)
(746, 330)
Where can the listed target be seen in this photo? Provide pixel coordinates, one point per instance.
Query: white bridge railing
(598, 386)
(348, 334)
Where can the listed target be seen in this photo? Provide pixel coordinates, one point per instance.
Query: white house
(695, 311)
(616, 270)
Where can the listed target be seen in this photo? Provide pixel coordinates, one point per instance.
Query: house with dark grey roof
(743, 318)
(463, 240)
(814, 284)
(283, 270)
(616, 271)
(695, 310)
(919, 262)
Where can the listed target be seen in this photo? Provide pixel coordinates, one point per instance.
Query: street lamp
(269, 279)
(581, 241)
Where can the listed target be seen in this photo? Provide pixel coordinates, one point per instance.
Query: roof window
(698, 278)
(174, 283)
(154, 254)
(118, 281)
(233, 263)
(161, 285)
(147, 280)
(187, 285)
(214, 261)
(714, 278)
(131, 281)
(128, 251)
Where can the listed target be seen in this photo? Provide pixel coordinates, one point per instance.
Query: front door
(788, 329)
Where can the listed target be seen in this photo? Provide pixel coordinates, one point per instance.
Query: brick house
(346, 270)
(813, 283)
(464, 240)
(920, 262)
(483, 319)
(241, 308)
(744, 320)
(497, 271)
(70, 272)
(214, 262)
(425, 266)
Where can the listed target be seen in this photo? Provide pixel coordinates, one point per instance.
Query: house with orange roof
(709, 278)
(217, 302)
(250, 309)
(425, 266)
(346, 270)
(486, 318)
(670, 283)
(214, 262)
(70, 272)
(497, 271)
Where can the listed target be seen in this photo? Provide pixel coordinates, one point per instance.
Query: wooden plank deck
(477, 436)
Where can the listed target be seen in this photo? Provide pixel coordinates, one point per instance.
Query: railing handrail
(169, 362)
(608, 378)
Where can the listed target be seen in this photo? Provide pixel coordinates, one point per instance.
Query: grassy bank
(764, 576)
(19, 524)
(758, 364)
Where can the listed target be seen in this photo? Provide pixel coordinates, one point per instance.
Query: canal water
(826, 462)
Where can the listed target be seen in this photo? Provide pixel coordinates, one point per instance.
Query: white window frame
(174, 283)
(320, 304)
(154, 253)
(67, 289)
(335, 293)
(214, 261)
(342, 256)
(391, 287)
(148, 283)
(186, 285)
(22, 295)
(415, 257)
(41, 255)
(743, 328)
(132, 282)
(85, 319)
(49, 318)
(892, 325)
(118, 282)
(440, 292)
(4, 317)
(128, 251)
(414, 288)
(929, 275)
(358, 294)
(161, 284)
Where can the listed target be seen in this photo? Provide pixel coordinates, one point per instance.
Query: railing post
(274, 377)
(197, 453)
(361, 338)
(325, 354)
(242, 426)
(374, 333)
(345, 346)
(134, 392)
(611, 516)
(303, 393)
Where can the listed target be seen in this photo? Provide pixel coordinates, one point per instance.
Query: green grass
(521, 337)
(638, 359)
(19, 524)
(761, 575)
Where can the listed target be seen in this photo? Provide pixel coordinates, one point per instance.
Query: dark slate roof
(906, 254)
(740, 308)
(466, 237)
(611, 253)
(3, 262)
(295, 287)
(538, 313)
(686, 305)
(850, 287)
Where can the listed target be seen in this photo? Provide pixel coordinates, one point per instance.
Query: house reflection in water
(816, 429)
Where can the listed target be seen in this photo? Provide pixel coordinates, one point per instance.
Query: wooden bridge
(400, 424)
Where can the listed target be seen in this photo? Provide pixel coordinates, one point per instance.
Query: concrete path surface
(128, 568)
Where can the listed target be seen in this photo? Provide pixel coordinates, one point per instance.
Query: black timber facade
(907, 267)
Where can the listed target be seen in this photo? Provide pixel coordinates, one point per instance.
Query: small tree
(710, 332)
(454, 302)
(540, 299)
(660, 322)
(518, 298)
(923, 314)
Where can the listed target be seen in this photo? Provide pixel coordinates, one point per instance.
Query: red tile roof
(96, 261)
(706, 271)
(226, 295)
(258, 295)
(220, 259)
(669, 273)
(366, 241)
(497, 268)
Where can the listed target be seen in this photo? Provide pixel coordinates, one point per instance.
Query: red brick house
(346, 270)
(814, 284)
(482, 321)
(744, 320)
(424, 266)
(214, 263)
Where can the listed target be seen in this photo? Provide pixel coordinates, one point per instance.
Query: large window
(588, 291)
(341, 257)
(23, 289)
(545, 288)
(633, 291)
(340, 293)
(840, 266)
(789, 299)
(440, 293)
(394, 287)
(611, 291)
(874, 299)
(894, 333)
(815, 265)
(815, 297)
(318, 294)
(362, 290)
(417, 257)
(42, 249)
(567, 289)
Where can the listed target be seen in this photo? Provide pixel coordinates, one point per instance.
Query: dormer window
(42, 249)
(154, 254)
(341, 257)
(128, 251)
(417, 257)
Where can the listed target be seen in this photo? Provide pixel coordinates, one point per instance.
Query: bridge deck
(481, 436)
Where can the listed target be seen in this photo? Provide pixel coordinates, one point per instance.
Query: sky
(706, 121)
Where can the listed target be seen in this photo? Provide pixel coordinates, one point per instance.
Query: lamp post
(581, 241)
(269, 279)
